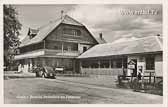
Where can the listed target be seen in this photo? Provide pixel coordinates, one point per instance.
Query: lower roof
(142, 45)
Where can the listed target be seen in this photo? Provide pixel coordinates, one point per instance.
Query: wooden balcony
(63, 53)
(48, 53)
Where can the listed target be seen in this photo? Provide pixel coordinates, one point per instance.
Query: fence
(148, 83)
(146, 79)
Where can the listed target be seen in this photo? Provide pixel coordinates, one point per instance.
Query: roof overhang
(121, 55)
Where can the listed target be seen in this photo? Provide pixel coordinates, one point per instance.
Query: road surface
(53, 91)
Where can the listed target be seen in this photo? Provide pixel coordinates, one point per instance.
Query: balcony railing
(47, 53)
(61, 52)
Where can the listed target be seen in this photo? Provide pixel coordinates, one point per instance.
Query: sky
(117, 22)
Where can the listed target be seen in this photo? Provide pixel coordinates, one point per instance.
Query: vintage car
(45, 72)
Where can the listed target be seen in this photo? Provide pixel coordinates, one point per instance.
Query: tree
(12, 26)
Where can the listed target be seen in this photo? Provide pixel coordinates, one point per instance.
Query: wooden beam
(44, 44)
(62, 48)
(109, 63)
(99, 63)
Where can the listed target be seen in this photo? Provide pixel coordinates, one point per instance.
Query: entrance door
(135, 70)
(77, 66)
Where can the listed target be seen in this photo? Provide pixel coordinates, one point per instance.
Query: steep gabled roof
(69, 20)
(45, 30)
(141, 45)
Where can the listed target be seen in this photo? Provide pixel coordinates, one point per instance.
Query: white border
(165, 44)
(83, 1)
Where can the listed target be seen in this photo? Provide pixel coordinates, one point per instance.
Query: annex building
(124, 58)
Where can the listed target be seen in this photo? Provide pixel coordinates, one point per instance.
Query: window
(104, 64)
(84, 49)
(67, 63)
(74, 32)
(113, 64)
(56, 47)
(85, 64)
(53, 45)
(65, 46)
(150, 63)
(94, 64)
(125, 62)
(70, 46)
(119, 63)
(75, 47)
(116, 63)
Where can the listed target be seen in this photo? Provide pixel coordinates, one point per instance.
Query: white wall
(159, 65)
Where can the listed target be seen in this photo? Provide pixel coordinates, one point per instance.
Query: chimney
(62, 12)
(101, 36)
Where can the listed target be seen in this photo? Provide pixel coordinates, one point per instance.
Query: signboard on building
(131, 64)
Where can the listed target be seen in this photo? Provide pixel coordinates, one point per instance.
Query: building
(56, 44)
(67, 43)
(124, 58)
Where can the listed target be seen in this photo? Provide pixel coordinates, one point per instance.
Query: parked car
(59, 69)
(45, 72)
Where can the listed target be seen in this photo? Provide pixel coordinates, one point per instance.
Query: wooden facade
(59, 48)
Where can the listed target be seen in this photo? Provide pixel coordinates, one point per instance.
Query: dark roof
(141, 45)
(45, 30)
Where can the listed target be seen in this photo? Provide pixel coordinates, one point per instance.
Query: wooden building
(57, 44)
(124, 58)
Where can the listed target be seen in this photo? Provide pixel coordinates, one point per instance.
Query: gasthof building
(56, 44)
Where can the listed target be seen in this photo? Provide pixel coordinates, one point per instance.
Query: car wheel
(44, 75)
(37, 75)
(40, 73)
(53, 77)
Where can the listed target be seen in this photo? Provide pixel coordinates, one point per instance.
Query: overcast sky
(108, 19)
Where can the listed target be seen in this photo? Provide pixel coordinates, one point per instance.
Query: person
(20, 68)
(139, 75)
